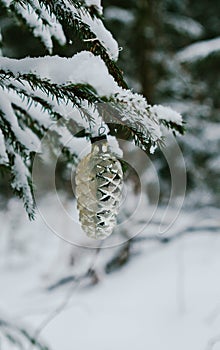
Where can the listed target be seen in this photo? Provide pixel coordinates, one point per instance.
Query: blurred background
(155, 291)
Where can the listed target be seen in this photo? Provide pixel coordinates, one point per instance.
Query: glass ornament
(99, 181)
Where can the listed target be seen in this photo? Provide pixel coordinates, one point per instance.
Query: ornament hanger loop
(101, 134)
(102, 130)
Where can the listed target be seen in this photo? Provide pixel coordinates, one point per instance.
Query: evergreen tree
(75, 92)
(176, 63)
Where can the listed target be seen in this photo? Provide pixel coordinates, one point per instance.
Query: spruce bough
(36, 92)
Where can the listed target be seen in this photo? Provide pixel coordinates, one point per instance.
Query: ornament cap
(98, 138)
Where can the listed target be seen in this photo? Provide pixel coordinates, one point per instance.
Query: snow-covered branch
(199, 50)
(61, 96)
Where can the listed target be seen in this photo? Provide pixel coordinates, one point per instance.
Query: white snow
(26, 137)
(93, 3)
(20, 182)
(167, 296)
(97, 27)
(162, 300)
(104, 36)
(45, 32)
(54, 28)
(3, 154)
(86, 68)
(119, 14)
(135, 114)
(96, 3)
(199, 50)
(167, 114)
(21, 173)
(82, 68)
(64, 108)
(36, 23)
(74, 144)
(186, 25)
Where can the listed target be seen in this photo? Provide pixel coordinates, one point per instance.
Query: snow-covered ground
(166, 297)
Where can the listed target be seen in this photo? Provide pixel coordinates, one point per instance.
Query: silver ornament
(99, 181)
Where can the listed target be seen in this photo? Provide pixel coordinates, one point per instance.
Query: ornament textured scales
(99, 181)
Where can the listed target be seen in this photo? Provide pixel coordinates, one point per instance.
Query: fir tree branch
(79, 4)
(69, 92)
(118, 110)
(114, 116)
(73, 24)
(84, 33)
(174, 127)
(129, 113)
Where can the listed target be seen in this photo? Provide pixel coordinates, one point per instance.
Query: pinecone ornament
(99, 180)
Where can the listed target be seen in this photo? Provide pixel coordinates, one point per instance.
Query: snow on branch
(120, 14)
(3, 155)
(85, 77)
(43, 24)
(21, 183)
(167, 114)
(90, 29)
(133, 113)
(47, 20)
(36, 96)
(82, 68)
(95, 26)
(96, 3)
(185, 25)
(168, 118)
(23, 135)
(199, 50)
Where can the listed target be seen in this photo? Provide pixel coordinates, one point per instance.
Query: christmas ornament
(99, 180)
